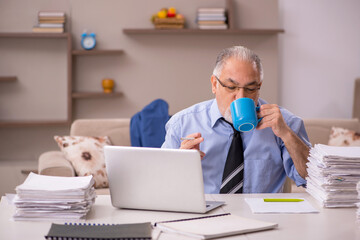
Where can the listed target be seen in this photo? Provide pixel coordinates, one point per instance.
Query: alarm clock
(88, 41)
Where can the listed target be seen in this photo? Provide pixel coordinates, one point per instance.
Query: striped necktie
(233, 175)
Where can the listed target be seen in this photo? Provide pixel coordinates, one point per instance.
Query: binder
(214, 226)
(85, 231)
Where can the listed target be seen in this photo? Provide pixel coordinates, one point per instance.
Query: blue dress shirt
(266, 159)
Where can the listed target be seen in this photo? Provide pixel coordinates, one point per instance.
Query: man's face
(235, 73)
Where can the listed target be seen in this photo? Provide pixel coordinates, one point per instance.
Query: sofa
(54, 163)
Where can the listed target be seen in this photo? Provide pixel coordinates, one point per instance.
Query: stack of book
(54, 198)
(212, 18)
(50, 21)
(333, 173)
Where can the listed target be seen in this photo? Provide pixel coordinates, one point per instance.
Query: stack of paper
(47, 197)
(333, 175)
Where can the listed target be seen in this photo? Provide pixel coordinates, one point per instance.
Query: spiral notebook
(99, 231)
(214, 226)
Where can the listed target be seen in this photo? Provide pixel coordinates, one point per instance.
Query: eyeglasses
(232, 89)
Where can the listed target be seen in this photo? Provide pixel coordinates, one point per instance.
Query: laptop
(156, 179)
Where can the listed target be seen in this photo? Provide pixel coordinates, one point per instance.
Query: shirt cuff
(299, 181)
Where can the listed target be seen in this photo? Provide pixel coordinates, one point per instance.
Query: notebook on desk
(156, 179)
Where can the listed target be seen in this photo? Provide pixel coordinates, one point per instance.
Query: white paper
(51, 183)
(258, 205)
(46, 197)
(332, 175)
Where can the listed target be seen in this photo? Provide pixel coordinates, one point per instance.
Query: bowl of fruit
(168, 18)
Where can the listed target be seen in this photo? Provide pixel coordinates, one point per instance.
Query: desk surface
(337, 224)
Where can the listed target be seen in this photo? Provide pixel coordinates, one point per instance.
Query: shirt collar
(215, 114)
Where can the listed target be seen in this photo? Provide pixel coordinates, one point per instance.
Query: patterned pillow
(86, 155)
(343, 137)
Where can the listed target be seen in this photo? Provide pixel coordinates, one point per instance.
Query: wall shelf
(96, 52)
(96, 94)
(232, 30)
(8, 79)
(70, 68)
(194, 31)
(33, 35)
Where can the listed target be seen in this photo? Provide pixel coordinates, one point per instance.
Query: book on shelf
(48, 30)
(213, 15)
(50, 25)
(52, 19)
(51, 14)
(211, 10)
(214, 226)
(100, 231)
(211, 18)
(211, 22)
(222, 26)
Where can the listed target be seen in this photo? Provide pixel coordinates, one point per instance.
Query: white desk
(337, 224)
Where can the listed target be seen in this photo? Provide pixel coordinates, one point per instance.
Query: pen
(283, 200)
(186, 138)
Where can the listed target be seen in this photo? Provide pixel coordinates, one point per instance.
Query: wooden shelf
(34, 35)
(95, 95)
(97, 52)
(8, 79)
(190, 31)
(33, 123)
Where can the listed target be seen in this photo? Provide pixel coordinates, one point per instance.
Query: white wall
(319, 56)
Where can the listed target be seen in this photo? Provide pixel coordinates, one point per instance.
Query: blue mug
(243, 113)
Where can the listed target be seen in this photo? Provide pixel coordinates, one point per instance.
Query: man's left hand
(273, 118)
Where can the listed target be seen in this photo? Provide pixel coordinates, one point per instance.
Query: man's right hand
(193, 143)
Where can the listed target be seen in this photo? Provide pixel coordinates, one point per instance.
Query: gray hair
(241, 53)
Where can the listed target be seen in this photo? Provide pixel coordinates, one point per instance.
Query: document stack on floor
(333, 175)
(54, 198)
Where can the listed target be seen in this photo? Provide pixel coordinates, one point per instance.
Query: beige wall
(320, 56)
(176, 68)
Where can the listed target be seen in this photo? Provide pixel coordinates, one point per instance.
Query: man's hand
(297, 149)
(193, 143)
(273, 118)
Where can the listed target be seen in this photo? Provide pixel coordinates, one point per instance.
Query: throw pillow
(343, 137)
(86, 155)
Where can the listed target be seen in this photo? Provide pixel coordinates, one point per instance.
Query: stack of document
(49, 198)
(333, 173)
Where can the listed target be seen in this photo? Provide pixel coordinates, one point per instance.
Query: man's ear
(213, 84)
